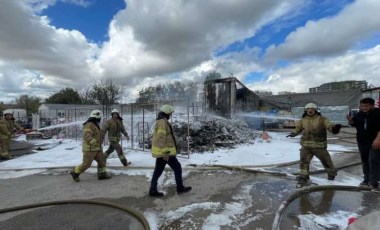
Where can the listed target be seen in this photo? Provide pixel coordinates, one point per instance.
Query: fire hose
(130, 211)
(298, 193)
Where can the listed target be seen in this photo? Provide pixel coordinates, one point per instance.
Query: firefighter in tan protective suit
(314, 142)
(92, 148)
(7, 127)
(115, 128)
(164, 149)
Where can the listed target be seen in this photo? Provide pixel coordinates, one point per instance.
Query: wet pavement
(225, 198)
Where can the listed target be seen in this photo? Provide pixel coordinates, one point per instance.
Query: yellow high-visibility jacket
(92, 138)
(114, 127)
(7, 127)
(314, 131)
(163, 142)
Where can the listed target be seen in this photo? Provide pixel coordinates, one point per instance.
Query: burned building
(227, 97)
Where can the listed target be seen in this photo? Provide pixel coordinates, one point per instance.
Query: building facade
(341, 85)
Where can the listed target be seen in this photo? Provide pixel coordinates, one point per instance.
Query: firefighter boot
(104, 176)
(183, 189)
(125, 162)
(155, 193)
(75, 176)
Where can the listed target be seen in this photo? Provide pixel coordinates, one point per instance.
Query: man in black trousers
(367, 124)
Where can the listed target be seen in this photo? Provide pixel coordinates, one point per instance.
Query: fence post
(132, 126)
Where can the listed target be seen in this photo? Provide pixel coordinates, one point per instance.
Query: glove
(291, 135)
(336, 128)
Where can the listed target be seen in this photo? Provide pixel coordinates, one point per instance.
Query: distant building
(340, 85)
(285, 92)
(67, 112)
(263, 93)
(373, 93)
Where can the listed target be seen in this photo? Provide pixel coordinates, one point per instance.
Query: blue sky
(276, 46)
(92, 20)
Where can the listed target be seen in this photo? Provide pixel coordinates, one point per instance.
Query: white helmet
(115, 111)
(96, 114)
(311, 106)
(168, 109)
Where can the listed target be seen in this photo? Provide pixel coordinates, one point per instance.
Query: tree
(2, 106)
(31, 104)
(174, 91)
(106, 92)
(65, 96)
(85, 96)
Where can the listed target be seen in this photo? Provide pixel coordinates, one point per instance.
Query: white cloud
(330, 36)
(148, 40)
(361, 66)
(158, 41)
(56, 57)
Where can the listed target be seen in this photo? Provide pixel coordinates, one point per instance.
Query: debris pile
(208, 133)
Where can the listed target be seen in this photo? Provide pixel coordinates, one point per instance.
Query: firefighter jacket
(163, 142)
(314, 131)
(7, 127)
(114, 127)
(92, 137)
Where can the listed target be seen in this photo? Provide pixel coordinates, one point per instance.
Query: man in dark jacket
(367, 124)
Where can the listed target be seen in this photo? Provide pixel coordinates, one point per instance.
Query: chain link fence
(138, 119)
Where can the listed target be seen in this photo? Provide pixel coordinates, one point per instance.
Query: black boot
(75, 176)
(125, 162)
(184, 189)
(155, 193)
(104, 176)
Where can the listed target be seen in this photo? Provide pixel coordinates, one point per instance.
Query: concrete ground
(254, 199)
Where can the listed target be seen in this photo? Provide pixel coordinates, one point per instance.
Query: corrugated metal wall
(228, 96)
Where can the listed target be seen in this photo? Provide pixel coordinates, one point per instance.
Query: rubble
(208, 133)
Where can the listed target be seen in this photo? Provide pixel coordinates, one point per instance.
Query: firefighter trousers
(307, 154)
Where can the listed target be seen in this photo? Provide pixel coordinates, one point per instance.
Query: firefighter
(115, 128)
(7, 127)
(314, 142)
(92, 148)
(164, 149)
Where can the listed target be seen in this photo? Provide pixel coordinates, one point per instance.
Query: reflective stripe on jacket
(163, 142)
(314, 131)
(92, 138)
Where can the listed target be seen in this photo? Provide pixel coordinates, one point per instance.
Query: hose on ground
(130, 211)
(193, 167)
(298, 193)
(281, 174)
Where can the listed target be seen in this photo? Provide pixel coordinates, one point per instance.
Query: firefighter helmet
(115, 111)
(311, 106)
(168, 109)
(96, 114)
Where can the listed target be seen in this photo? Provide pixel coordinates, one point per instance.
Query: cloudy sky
(289, 45)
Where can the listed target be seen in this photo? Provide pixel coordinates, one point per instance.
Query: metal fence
(138, 120)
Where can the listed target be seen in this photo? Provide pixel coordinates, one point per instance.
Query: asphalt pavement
(235, 199)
